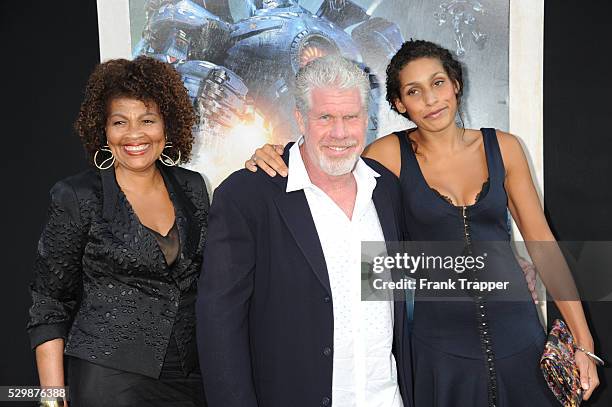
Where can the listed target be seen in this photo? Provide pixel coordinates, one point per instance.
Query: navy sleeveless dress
(474, 352)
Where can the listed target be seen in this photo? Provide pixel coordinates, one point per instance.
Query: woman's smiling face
(135, 133)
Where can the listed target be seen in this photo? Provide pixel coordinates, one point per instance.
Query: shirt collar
(298, 176)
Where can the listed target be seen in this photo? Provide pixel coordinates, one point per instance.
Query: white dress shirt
(364, 369)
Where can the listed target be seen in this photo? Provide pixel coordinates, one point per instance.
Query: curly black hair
(145, 79)
(415, 49)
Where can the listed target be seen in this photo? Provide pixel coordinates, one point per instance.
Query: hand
(268, 158)
(589, 380)
(530, 277)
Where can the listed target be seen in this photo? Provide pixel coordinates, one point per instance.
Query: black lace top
(168, 244)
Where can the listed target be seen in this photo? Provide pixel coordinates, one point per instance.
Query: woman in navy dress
(457, 185)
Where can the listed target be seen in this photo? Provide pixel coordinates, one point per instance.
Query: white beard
(336, 167)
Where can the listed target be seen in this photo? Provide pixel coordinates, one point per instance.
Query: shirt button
(327, 351)
(326, 299)
(326, 401)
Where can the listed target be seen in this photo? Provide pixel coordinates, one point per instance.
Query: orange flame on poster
(310, 53)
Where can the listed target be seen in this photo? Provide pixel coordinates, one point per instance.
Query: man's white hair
(331, 71)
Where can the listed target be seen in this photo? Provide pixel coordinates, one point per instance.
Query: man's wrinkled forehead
(335, 100)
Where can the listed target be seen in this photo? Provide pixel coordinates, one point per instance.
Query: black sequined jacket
(101, 281)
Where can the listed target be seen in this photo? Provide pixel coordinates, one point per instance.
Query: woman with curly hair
(119, 257)
(458, 185)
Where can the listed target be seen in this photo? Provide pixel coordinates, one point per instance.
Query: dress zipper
(482, 319)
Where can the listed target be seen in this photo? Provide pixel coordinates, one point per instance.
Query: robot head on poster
(240, 74)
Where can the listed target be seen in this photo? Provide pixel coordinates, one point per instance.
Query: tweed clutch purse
(559, 366)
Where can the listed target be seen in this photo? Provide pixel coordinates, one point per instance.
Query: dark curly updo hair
(415, 49)
(147, 80)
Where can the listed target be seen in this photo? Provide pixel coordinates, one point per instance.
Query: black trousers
(92, 385)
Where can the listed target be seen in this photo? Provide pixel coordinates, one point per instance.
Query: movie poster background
(224, 141)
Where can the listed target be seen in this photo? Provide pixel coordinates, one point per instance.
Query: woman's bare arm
(528, 214)
(385, 150)
(50, 362)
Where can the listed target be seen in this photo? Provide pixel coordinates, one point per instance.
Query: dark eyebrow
(430, 78)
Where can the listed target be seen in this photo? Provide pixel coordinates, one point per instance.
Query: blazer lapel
(390, 226)
(295, 212)
(187, 224)
(386, 213)
(124, 224)
(110, 191)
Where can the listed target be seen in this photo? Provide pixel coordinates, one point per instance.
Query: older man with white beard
(280, 321)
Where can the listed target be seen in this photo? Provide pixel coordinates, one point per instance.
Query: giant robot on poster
(240, 71)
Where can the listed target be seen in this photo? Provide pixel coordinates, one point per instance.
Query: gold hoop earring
(166, 159)
(107, 163)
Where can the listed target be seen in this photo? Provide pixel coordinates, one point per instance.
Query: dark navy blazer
(264, 310)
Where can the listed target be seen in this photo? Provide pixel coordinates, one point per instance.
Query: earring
(107, 163)
(166, 159)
